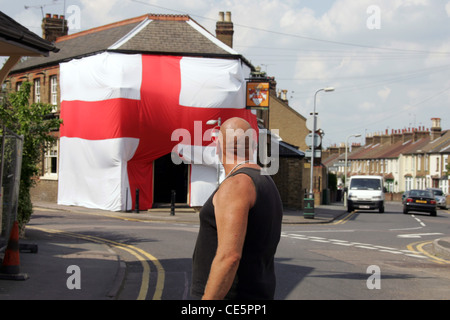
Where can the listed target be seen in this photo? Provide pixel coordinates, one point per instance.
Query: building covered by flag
(135, 97)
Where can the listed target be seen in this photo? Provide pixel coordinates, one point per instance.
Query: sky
(388, 60)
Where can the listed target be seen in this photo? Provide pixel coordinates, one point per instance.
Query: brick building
(149, 34)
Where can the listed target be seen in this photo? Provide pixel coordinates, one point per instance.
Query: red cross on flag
(119, 112)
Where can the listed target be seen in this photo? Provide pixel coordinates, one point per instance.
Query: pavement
(69, 267)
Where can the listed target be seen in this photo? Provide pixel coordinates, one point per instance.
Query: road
(364, 255)
(332, 261)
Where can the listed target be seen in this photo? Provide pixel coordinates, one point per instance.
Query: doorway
(167, 177)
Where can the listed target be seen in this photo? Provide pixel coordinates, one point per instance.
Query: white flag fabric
(119, 112)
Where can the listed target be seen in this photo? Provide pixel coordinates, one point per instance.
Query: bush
(35, 122)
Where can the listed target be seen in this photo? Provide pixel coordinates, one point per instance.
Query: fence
(10, 167)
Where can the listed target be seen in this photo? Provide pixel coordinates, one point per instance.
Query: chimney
(356, 146)
(224, 28)
(436, 129)
(54, 27)
(369, 139)
(396, 136)
(333, 150)
(420, 133)
(284, 96)
(377, 138)
(386, 138)
(342, 148)
(407, 135)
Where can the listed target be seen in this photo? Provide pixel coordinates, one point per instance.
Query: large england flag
(119, 112)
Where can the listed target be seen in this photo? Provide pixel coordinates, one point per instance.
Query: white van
(366, 192)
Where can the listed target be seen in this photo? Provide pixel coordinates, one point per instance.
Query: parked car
(419, 200)
(441, 199)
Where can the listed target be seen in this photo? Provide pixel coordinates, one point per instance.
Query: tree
(332, 181)
(35, 122)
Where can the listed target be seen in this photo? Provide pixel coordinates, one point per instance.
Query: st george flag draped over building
(119, 112)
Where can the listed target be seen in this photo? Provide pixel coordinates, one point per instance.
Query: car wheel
(381, 210)
(433, 213)
(405, 211)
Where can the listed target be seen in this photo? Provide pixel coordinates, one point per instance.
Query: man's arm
(232, 202)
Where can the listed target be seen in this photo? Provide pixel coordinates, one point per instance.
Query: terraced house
(407, 158)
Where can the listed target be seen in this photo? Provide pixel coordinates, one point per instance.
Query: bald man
(240, 225)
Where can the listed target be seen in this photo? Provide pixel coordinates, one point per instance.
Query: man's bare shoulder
(235, 188)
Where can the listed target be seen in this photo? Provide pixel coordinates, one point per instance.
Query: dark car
(419, 200)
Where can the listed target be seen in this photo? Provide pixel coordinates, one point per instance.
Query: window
(18, 85)
(408, 183)
(51, 162)
(54, 92)
(437, 164)
(37, 90)
(445, 163)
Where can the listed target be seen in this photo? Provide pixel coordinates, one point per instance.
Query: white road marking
(417, 235)
(359, 245)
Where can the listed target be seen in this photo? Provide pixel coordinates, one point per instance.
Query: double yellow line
(140, 254)
(345, 219)
(417, 247)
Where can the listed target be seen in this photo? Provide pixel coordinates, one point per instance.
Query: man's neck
(238, 163)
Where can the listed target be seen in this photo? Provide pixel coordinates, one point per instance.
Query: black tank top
(255, 277)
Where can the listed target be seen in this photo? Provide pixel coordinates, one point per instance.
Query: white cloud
(447, 8)
(384, 93)
(366, 106)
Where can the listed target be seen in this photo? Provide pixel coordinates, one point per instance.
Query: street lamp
(345, 166)
(219, 123)
(346, 151)
(329, 89)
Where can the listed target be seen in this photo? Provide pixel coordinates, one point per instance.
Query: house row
(413, 158)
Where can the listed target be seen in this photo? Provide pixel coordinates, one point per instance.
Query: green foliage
(332, 181)
(35, 123)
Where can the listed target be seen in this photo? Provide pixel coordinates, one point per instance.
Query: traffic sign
(317, 153)
(309, 140)
(310, 123)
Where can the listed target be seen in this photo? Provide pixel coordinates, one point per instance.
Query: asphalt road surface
(363, 255)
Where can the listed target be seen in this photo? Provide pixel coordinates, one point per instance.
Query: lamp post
(329, 89)
(345, 165)
(219, 123)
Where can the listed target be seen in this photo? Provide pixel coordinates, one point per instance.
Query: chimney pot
(54, 27)
(224, 28)
(435, 128)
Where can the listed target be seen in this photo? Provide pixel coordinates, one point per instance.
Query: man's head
(237, 141)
